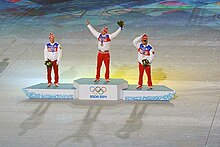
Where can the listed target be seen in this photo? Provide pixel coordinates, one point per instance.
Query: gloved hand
(121, 23)
(145, 62)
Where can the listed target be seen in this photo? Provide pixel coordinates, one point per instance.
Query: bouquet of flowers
(145, 62)
(121, 23)
(48, 63)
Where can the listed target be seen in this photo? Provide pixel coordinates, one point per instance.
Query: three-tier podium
(86, 89)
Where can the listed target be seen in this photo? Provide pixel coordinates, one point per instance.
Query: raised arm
(92, 30)
(113, 35)
(136, 41)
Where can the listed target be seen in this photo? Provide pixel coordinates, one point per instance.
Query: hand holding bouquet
(121, 23)
(48, 63)
(145, 62)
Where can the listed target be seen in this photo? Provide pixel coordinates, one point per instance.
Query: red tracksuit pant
(100, 58)
(141, 73)
(56, 74)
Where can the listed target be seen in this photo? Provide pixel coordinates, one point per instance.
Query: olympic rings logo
(98, 90)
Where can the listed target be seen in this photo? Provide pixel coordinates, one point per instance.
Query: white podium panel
(158, 93)
(89, 90)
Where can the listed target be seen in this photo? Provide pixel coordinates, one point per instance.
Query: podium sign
(88, 90)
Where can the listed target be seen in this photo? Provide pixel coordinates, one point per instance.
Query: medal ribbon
(102, 38)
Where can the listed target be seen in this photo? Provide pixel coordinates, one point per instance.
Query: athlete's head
(144, 39)
(51, 37)
(104, 30)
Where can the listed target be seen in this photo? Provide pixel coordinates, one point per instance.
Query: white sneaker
(139, 87)
(150, 87)
(96, 80)
(56, 84)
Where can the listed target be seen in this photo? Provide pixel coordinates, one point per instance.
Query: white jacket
(52, 51)
(104, 46)
(148, 54)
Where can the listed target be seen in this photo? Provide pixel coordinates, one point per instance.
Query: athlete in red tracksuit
(146, 56)
(104, 40)
(53, 53)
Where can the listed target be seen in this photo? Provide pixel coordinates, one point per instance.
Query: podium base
(86, 89)
(158, 93)
(41, 91)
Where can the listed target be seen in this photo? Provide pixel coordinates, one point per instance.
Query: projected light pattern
(67, 11)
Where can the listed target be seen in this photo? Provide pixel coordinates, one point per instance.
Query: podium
(87, 89)
(102, 90)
